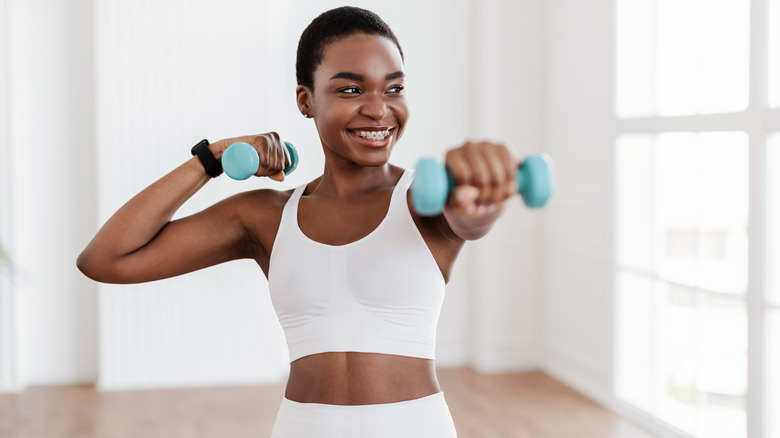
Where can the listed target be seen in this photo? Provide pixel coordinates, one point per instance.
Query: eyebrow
(361, 78)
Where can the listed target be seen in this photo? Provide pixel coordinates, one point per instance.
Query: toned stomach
(360, 379)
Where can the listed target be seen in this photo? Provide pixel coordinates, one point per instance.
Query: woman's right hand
(273, 154)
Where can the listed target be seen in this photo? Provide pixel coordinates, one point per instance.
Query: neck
(347, 181)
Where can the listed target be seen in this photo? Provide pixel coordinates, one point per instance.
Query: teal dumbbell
(240, 160)
(432, 184)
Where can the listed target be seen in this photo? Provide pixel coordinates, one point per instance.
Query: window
(680, 57)
(697, 174)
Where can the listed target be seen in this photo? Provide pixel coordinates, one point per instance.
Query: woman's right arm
(140, 243)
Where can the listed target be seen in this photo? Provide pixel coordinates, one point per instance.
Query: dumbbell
(240, 160)
(432, 184)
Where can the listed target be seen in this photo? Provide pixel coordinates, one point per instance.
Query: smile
(373, 135)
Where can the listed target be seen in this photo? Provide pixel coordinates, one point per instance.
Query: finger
(270, 154)
(481, 175)
(286, 158)
(465, 195)
(279, 176)
(458, 167)
(501, 165)
(464, 200)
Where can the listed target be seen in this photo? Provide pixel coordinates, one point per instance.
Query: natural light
(773, 313)
(681, 239)
(681, 279)
(682, 57)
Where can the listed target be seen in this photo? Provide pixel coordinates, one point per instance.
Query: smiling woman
(356, 276)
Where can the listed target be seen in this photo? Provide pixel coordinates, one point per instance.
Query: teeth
(373, 135)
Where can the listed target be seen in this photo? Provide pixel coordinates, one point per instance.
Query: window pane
(774, 54)
(773, 373)
(682, 355)
(702, 209)
(634, 57)
(773, 206)
(681, 208)
(702, 361)
(678, 57)
(721, 381)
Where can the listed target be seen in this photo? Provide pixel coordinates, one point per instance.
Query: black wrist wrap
(212, 165)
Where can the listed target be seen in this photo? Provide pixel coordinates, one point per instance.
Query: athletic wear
(379, 294)
(427, 417)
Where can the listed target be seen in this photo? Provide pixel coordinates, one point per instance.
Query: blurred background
(651, 283)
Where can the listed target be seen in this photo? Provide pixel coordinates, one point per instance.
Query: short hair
(330, 26)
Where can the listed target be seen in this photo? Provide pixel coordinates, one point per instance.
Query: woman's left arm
(484, 175)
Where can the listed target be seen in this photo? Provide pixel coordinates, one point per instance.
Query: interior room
(642, 301)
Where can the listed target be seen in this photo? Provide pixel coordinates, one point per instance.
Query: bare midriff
(360, 379)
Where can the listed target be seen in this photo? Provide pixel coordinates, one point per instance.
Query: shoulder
(262, 198)
(258, 204)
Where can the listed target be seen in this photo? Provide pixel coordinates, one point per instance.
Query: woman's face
(358, 102)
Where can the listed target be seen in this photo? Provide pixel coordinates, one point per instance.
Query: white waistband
(427, 417)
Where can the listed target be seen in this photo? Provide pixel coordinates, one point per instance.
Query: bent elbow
(86, 265)
(92, 268)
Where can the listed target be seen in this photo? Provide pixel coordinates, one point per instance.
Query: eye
(395, 89)
(349, 90)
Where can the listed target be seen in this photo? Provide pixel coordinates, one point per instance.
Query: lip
(371, 128)
(371, 143)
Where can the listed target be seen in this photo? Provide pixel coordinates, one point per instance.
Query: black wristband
(212, 165)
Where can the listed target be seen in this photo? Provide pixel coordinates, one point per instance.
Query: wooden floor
(519, 405)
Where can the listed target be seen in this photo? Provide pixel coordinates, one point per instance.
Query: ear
(304, 97)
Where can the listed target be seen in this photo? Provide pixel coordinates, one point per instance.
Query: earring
(306, 115)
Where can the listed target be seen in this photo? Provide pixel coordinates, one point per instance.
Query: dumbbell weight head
(430, 187)
(536, 180)
(240, 160)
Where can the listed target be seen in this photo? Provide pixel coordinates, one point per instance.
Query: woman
(356, 276)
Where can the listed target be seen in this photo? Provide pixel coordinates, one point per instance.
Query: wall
(506, 266)
(120, 96)
(51, 149)
(8, 327)
(578, 120)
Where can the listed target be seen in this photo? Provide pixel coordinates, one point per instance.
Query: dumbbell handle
(240, 160)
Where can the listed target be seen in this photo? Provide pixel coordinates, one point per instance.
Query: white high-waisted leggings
(427, 417)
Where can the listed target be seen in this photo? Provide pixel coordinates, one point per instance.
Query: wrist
(211, 164)
(217, 148)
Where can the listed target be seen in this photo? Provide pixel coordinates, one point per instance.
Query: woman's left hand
(484, 175)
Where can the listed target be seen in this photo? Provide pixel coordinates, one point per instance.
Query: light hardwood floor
(518, 405)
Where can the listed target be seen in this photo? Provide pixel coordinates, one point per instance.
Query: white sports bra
(380, 294)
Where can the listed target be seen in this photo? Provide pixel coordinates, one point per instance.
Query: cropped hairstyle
(329, 27)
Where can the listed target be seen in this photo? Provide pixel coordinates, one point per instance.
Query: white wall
(578, 131)
(51, 148)
(8, 348)
(505, 291)
(125, 95)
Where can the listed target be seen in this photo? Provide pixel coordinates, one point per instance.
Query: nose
(374, 107)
